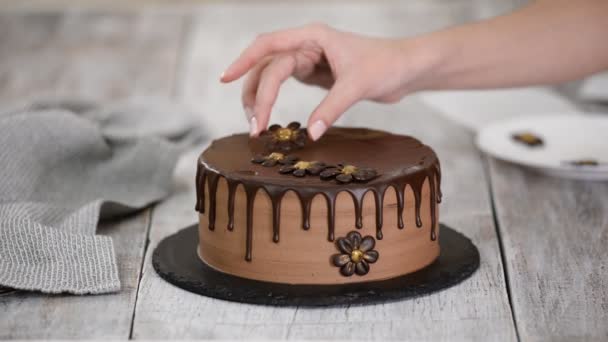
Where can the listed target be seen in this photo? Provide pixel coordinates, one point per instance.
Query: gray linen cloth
(66, 165)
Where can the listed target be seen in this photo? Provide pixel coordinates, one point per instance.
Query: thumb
(339, 99)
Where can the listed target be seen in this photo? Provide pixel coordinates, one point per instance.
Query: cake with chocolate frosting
(357, 205)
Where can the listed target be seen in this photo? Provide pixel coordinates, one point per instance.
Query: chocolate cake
(357, 205)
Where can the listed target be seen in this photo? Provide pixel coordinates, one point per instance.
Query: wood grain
(30, 315)
(104, 57)
(554, 233)
(477, 309)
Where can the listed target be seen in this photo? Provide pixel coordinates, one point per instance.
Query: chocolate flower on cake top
(273, 159)
(356, 254)
(301, 168)
(345, 173)
(285, 138)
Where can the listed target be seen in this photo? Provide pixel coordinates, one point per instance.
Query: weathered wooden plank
(104, 57)
(90, 54)
(554, 234)
(32, 315)
(477, 309)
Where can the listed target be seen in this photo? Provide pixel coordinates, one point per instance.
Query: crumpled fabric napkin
(65, 165)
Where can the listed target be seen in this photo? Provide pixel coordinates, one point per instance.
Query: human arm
(548, 41)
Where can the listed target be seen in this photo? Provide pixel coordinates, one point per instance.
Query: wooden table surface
(544, 259)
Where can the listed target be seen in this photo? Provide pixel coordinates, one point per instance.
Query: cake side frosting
(400, 161)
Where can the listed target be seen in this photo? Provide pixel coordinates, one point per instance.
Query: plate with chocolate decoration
(568, 146)
(350, 218)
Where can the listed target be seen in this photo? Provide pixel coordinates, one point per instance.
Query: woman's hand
(545, 42)
(351, 66)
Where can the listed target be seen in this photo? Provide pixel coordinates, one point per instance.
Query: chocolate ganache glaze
(399, 160)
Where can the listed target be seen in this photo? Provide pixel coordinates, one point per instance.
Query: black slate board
(175, 260)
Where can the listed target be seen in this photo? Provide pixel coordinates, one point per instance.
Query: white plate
(595, 88)
(565, 138)
(474, 109)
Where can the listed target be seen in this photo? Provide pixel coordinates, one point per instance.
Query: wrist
(421, 60)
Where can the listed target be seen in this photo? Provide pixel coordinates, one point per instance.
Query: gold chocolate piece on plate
(583, 162)
(527, 138)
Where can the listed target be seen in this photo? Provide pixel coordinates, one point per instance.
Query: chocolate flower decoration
(285, 138)
(301, 168)
(347, 173)
(274, 159)
(356, 254)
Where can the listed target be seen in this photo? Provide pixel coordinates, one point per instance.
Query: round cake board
(176, 260)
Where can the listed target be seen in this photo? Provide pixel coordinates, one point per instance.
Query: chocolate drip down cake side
(357, 205)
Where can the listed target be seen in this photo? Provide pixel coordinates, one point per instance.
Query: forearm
(549, 41)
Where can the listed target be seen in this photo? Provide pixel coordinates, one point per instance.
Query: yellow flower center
(528, 137)
(284, 134)
(348, 169)
(586, 162)
(276, 156)
(303, 165)
(356, 256)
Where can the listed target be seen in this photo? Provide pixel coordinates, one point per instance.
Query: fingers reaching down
(272, 43)
(277, 71)
(351, 66)
(250, 87)
(339, 98)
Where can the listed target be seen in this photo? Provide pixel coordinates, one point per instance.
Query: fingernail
(317, 129)
(222, 76)
(253, 126)
(248, 113)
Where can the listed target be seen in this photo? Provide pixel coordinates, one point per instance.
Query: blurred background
(110, 50)
(176, 49)
(118, 4)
